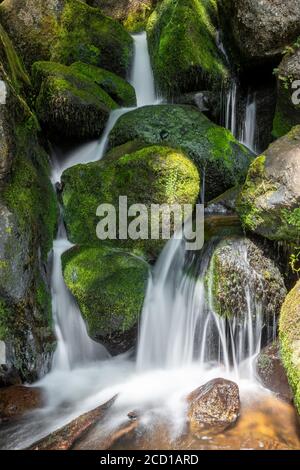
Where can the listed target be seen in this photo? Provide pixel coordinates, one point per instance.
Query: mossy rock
(214, 150)
(67, 31)
(76, 101)
(239, 265)
(153, 175)
(289, 335)
(183, 47)
(86, 35)
(287, 113)
(133, 14)
(269, 203)
(109, 286)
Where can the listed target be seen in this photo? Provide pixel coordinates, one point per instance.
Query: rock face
(260, 29)
(153, 175)
(109, 287)
(67, 31)
(213, 149)
(184, 53)
(269, 203)
(288, 93)
(289, 336)
(238, 265)
(213, 407)
(76, 101)
(17, 400)
(270, 371)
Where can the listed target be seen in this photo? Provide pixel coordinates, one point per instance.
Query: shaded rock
(269, 203)
(76, 101)
(153, 175)
(183, 47)
(240, 265)
(259, 30)
(17, 400)
(213, 407)
(9, 376)
(69, 435)
(288, 93)
(289, 336)
(270, 371)
(109, 287)
(213, 149)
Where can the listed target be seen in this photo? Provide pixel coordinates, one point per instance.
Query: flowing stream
(183, 343)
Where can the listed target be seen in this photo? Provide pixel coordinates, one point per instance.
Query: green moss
(289, 335)
(4, 314)
(88, 36)
(182, 40)
(109, 286)
(213, 149)
(153, 175)
(30, 195)
(281, 124)
(136, 21)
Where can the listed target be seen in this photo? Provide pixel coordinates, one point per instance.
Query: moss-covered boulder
(213, 149)
(259, 30)
(109, 286)
(66, 31)
(289, 335)
(76, 101)
(133, 14)
(269, 203)
(183, 46)
(153, 175)
(240, 266)
(287, 112)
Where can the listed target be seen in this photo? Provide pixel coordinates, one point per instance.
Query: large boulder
(271, 373)
(214, 150)
(109, 286)
(289, 335)
(287, 112)
(260, 30)
(183, 47)
(133, 14)
(269, 203)
(239, 266)
(76, 101)
(213, 407)
(153, 175)
(67, 31)
(17, 400)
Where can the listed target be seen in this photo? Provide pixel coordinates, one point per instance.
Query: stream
(182, 344)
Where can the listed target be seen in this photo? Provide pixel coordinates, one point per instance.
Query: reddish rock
(17, 399)
(213, 407)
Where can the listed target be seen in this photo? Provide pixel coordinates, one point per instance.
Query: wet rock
(270, 371)
(68, 436)
(260, 29)
(9, 376)
(213, 407)
(269, 203)
(17, 400)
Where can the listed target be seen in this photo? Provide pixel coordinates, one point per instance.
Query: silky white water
(182, 342)
(248, 133)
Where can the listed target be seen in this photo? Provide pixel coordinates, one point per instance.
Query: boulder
(270, 371)
(240, 265)
(289, 336)
(269, 203)
(152, 175)
(214, 150)
(76, 101)
(288, 93)
(259, 30)
(109, 286)
(213, 407)
(66, 31)
(17, 400)
(133, 14)
(9, 376)
(183, 47)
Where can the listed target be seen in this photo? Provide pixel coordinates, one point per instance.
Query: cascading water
(248, 132)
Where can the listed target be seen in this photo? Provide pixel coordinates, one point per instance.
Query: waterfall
(142, 76)
(230, 112)
(248, 132)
